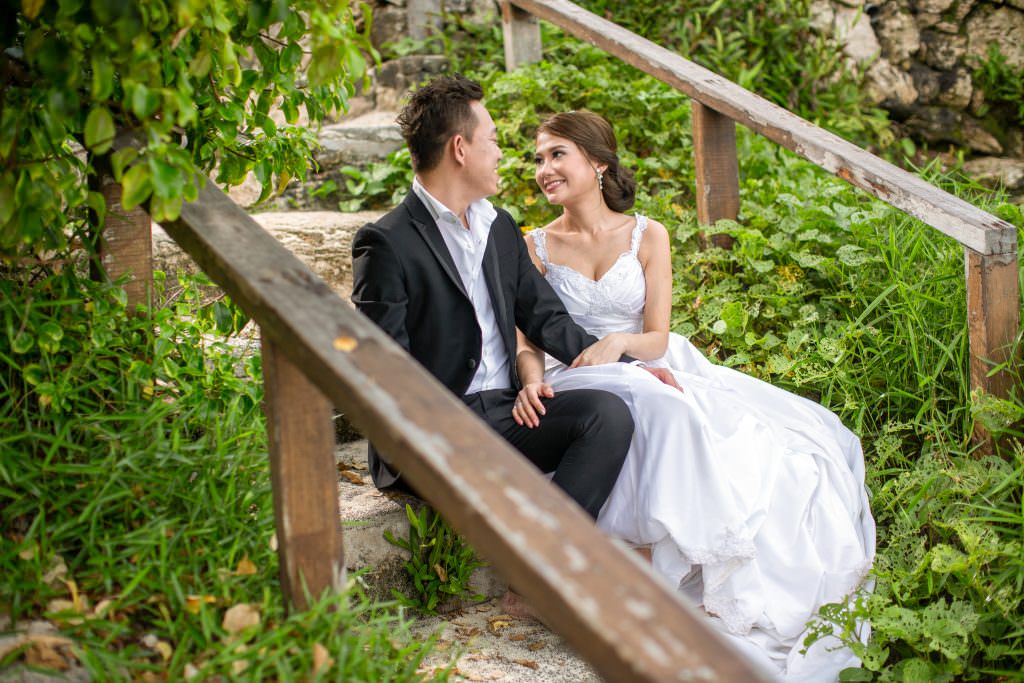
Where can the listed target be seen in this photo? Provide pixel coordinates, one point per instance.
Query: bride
(748, 498)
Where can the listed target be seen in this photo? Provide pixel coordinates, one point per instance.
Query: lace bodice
(614, 303)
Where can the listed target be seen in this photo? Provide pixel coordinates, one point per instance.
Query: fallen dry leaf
(526, 662)
(51, 652)
(28, 553)
(517, 636)
(496, 624)
(536, 645)
(245, 567)
(194, 602)
(352, 477)
(239, 617)
(101, 608)
(441, 573)
(321, 658)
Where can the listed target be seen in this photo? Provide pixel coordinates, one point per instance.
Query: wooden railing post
(993, 318)
(126, 245)
(521, 32)
(304, 480)
(718, 184)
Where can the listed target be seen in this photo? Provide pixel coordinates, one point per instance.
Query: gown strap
(638, 233)
(540, 245)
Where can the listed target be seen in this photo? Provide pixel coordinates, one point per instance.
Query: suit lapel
(431, 234)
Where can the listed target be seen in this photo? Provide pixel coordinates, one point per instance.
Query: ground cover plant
(135, 502)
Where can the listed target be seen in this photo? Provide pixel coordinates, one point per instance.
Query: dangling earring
(600, 180)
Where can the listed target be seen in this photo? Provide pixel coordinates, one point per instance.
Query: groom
(448, 276)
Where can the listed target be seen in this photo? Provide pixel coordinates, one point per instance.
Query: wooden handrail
(969, 225)
(596, 594)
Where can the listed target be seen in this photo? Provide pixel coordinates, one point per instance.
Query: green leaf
(102, 77)
(99, 130)
(136, 186)
(23, 342)
(31, 8)
(120, 159)
(144, 102)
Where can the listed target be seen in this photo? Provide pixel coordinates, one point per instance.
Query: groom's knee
(611, 419)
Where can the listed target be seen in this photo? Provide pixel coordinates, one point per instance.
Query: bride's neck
(591, 219)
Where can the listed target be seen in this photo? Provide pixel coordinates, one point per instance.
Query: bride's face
(564, 172)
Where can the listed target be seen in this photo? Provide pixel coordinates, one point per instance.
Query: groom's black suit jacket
(406, 282)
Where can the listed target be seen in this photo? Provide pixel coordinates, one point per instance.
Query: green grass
(135, 501)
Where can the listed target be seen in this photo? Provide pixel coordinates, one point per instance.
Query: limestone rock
(941, 51)
(890, 87)
(355, 141)
(995, 171)
(941, 124)
(321, 239)
(396, 77)
(956, 88)
(933, 6)
(897, 34)
(1004, 26)
(853, 30)
(821, 16)
(389, 25)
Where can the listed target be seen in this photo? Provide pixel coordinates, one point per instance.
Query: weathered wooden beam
(521, 32)
(596, 594)
(993, 318)
(972, 227)
(304, 480)
(126, 245)
(718, 177)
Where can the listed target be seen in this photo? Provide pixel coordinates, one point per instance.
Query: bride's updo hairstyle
(595, 137)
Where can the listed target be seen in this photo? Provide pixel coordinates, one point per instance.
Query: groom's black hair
(436, 112)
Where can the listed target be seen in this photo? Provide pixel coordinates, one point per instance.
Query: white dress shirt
(466, 246)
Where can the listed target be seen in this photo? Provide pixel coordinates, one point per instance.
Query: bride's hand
(606, 350)
(528, 406)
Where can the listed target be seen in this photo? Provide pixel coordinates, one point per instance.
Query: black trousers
(583, 438)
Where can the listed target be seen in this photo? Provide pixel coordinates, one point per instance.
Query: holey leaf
(99, 130)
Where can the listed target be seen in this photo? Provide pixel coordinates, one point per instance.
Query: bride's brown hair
(594, 135)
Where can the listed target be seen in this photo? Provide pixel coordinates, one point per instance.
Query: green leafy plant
(195, 81)
(135, 505)
(1002, 84)
(440, 562)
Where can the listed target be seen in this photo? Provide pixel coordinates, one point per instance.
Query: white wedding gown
(751, 498)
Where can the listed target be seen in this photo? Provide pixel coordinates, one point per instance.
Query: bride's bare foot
(514, 605)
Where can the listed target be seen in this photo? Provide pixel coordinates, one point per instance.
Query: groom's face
(483, 154)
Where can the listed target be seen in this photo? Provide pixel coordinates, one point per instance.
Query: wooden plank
(304, 480)
(521, 32)
(597, 594)
(126, 245)
(993, 317)
(955, 217)
(718, 178)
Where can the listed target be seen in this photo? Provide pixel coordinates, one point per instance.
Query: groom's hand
(528, 408)
(664, 376)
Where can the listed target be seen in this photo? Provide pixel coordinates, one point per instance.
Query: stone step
(367, 513)
(321, 239)
(370, 137)
(491, 645)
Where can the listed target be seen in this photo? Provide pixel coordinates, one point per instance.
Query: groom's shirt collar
(481, 212)
(467, 251)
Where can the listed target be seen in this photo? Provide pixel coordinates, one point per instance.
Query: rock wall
(920, 56)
